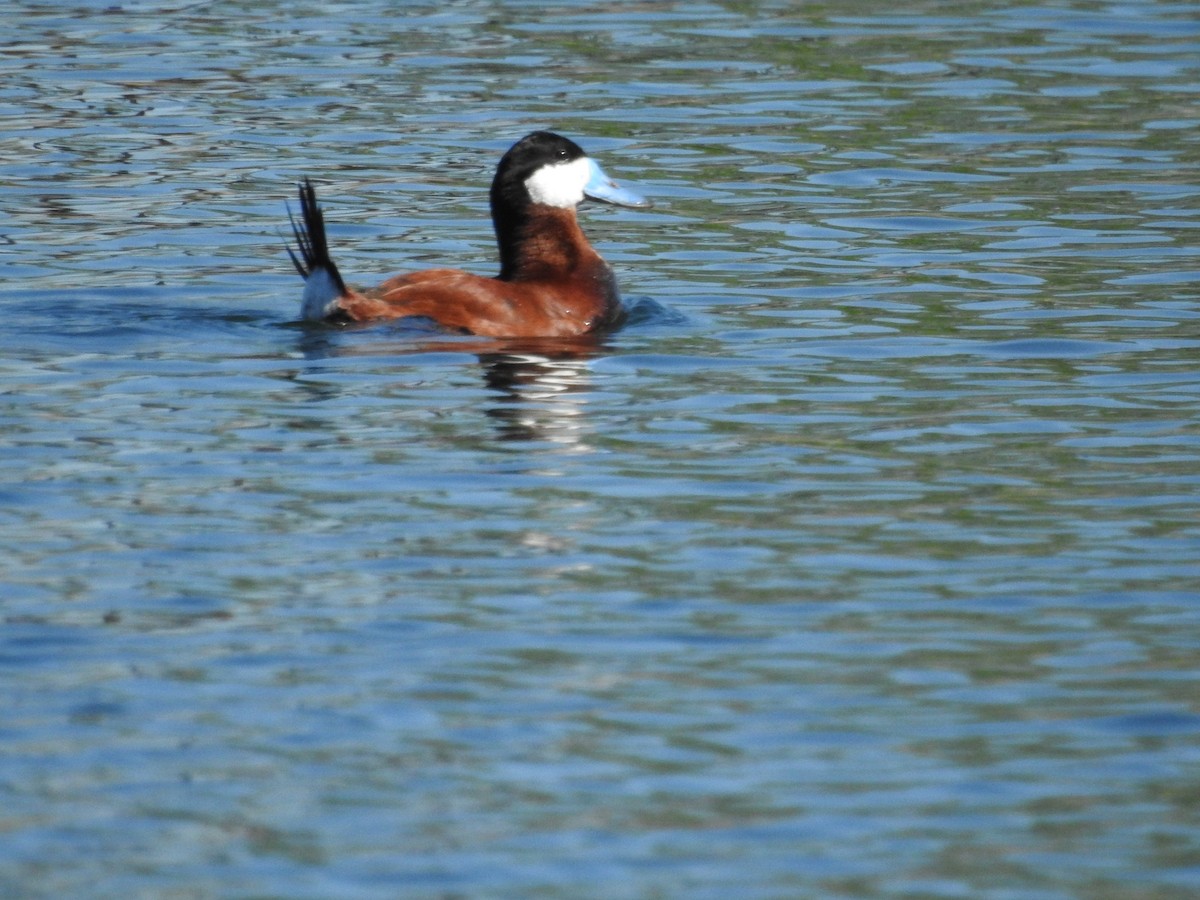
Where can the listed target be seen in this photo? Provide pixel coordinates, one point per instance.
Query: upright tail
(323, 282)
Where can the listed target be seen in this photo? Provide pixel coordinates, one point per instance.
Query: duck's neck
(543, 243)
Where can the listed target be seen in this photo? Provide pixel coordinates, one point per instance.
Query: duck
(552, 283)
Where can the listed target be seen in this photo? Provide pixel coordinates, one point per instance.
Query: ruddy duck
(552, 283)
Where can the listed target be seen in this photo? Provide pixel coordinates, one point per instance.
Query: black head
(511, 201)
(547, 172)
(527, 156)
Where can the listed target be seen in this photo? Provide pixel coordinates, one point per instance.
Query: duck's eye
(561, 153)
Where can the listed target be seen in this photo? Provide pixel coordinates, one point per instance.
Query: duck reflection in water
(541, 392)
(540, 386)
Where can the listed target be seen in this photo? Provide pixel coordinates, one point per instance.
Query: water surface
(860, 564)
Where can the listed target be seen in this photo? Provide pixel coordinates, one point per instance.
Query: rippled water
(861, 564)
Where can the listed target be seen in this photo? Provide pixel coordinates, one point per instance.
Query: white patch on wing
(559, 184)
(320, 290)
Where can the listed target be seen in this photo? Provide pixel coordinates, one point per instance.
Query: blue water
(861, 563)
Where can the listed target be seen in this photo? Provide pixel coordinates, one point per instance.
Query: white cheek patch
(559, 185)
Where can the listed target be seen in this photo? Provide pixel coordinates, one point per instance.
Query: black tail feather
(309, 233)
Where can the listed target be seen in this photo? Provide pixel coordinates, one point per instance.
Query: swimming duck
(551, 283)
